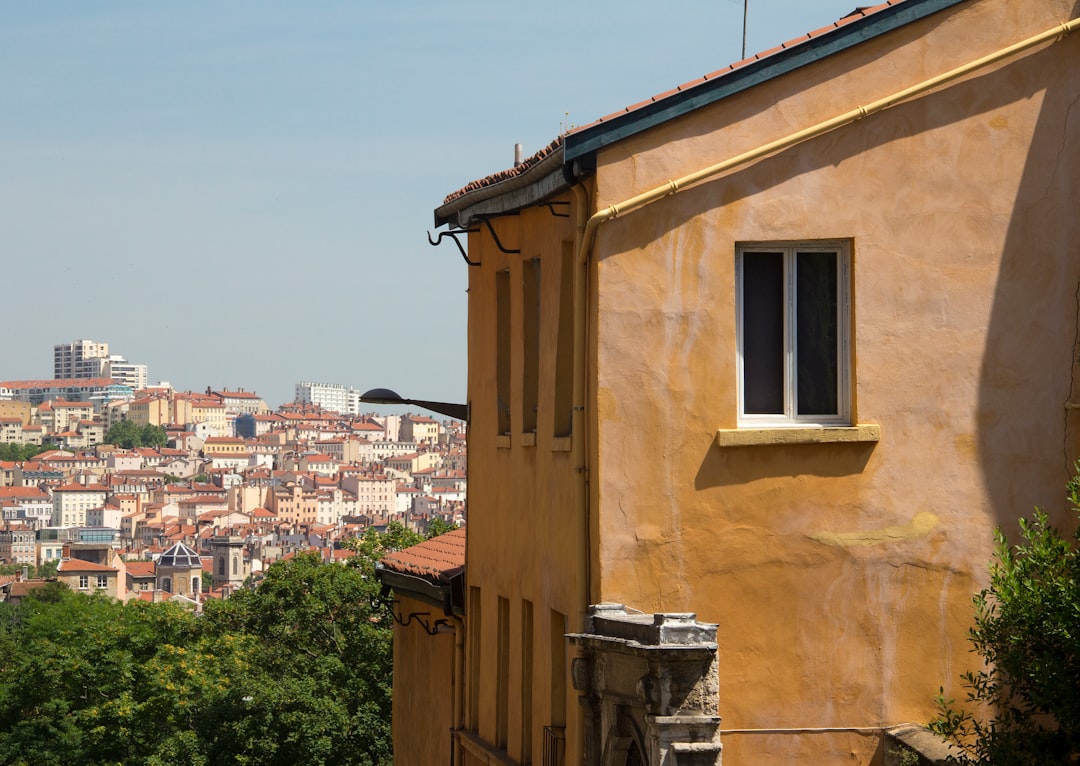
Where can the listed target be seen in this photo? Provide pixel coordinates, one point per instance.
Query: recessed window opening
(793, 334)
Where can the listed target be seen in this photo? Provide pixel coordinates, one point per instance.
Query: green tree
(330, 658)
(21, 452)
(1027, 630)
(124, 434)
(152, 436)
(438, 527)
(128, 435)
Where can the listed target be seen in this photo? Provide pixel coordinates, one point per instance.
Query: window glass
(763, 333)
(793, 333)
(816, 334)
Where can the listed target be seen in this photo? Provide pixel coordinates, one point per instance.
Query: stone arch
(624, 745)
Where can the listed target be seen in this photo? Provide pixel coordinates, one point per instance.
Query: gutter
(793, 139)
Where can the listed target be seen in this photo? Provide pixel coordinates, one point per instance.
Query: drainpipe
(579, 426)
(678, 185)
(585, 235)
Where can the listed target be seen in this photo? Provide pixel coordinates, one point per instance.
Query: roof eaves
(534, 184)
(438, 594)
(845, 34)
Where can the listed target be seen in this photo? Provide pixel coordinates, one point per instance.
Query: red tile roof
(78, 565)
(437, 559)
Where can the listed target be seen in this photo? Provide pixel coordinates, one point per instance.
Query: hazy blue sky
(237, 193)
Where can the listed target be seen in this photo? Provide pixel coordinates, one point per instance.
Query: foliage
(297, 670)
(20, 453)
(438, 527)
(42, 571)
(1027, 630)
(128, 435)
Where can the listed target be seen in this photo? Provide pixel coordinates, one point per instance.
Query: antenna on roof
(745, 8)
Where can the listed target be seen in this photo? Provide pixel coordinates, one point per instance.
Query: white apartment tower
(89, 359)
(81, 359)
(330, 396)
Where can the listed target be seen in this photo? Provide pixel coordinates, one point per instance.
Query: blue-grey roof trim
(622, 126)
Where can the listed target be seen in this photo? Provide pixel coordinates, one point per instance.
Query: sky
(238, 194)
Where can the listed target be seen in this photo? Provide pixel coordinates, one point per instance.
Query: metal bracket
(495, 237)
(454, 236)
(431, 628)
(551, 208)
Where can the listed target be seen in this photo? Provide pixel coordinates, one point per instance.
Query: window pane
(763, 333)
(816, 362)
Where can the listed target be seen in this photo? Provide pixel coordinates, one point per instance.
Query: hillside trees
(297, 670)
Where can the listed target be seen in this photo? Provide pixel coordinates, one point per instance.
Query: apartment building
(90, 359)
(329, 396)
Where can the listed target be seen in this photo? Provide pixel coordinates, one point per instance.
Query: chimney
(517, 155)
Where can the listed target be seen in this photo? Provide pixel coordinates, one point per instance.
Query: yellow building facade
(772, 354)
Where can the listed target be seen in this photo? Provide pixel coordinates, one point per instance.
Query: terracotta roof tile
(436, 559)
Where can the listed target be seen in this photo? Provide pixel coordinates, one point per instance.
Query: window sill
(528, 439)
(562, 444)
(766, 437)
(502, 441)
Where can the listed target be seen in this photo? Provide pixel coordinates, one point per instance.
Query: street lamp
(386, 396)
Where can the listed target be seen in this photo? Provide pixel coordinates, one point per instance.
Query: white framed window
(84, 582)
(103, 581)
(793, 302)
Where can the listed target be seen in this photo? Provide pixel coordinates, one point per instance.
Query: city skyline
(238, 196)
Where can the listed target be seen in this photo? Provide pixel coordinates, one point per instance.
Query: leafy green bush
(1024, 705)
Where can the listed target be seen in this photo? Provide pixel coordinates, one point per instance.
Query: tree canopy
(21, 452)
(1023, 707)
(297, 670)
(128, 435)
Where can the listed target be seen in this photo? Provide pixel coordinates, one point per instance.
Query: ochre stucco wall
(524, 529)
(423, 688)
(841, 574)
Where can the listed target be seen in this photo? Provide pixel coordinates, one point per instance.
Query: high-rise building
(81, 359)
(122, 371)
(330, 396)
(90, 359)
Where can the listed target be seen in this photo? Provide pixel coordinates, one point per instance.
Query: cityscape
(223, 479)
(769, 452)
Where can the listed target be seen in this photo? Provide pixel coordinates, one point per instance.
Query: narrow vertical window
(476, 630)
(502, 349)
(526, 680)
(502, 674)
(531, 328)
(564, 350)
(557, 639)
(793, 327)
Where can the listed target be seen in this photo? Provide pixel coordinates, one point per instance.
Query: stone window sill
(768, 437)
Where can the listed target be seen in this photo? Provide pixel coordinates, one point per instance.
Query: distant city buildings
(329, 396)
(83, 359)
(236, 487)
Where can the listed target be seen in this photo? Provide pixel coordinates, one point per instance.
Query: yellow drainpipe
(585, 234)
(678, 185)
(579, 427)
